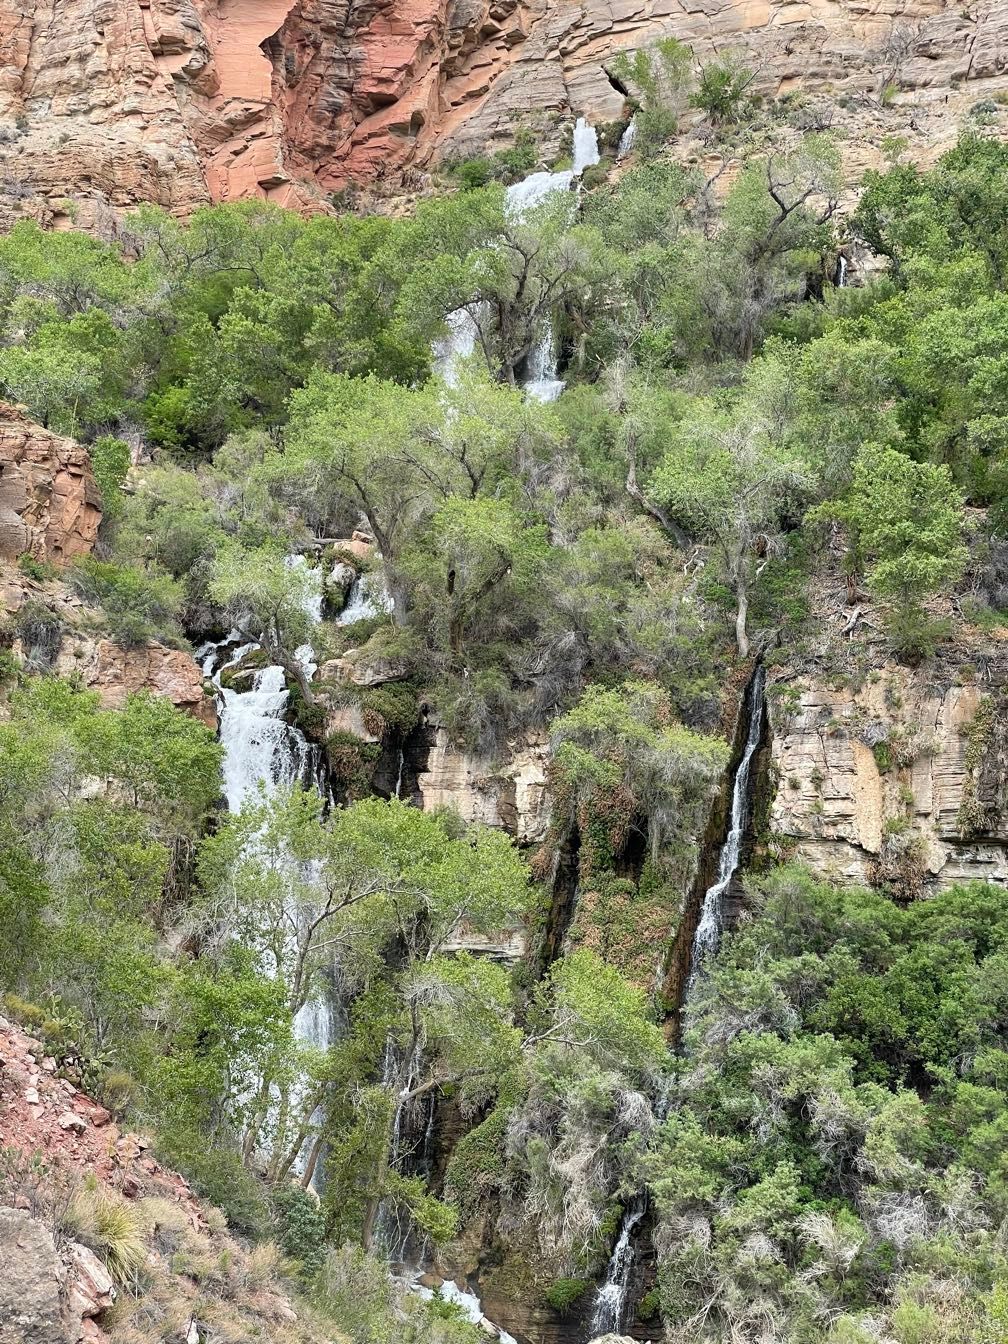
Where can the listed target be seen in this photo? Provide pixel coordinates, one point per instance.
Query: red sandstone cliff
(185, 101)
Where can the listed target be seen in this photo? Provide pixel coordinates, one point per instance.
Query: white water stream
(627, 139)
(610, 1298)
(542, 382)
(711, 923)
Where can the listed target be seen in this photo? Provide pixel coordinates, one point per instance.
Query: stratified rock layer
(913, 755)
(50, 504)
(111, 102)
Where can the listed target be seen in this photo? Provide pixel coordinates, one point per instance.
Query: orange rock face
(111, 102)
(50, 504)
(115, 672)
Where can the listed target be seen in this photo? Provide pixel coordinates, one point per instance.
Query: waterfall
(610, 1298)
(841, 272)
(627, 139)
(368, 597)
(542, 382)
(263, 753)
(711, 923)
(586, 150)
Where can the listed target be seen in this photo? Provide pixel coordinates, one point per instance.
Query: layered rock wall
(111, 102)
(904, 781)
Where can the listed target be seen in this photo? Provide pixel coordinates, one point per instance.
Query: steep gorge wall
(180, 102)
(902, 781)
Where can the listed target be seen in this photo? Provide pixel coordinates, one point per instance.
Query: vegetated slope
(413, 590)
(121, 1244)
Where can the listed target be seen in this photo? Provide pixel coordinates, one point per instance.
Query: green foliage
(721, 89)
(137, 605)
(299, 1228)
(562, 1294)
(661, 75)
(110, 460)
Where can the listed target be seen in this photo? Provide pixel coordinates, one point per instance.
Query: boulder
(32, 1278)
(90, 1289)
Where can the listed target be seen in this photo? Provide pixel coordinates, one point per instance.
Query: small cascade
(711, 923)
(456, 345)
(627, 139)
(460, 339)
(610, 1298)
(542, 383)
(368, 597)
(840, 275)
(586, 150)
(471, 1307)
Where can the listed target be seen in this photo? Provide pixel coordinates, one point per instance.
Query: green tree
(906, 519)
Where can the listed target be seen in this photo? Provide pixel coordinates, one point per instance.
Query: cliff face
(187, 101)
(50, 504)
(903, 781)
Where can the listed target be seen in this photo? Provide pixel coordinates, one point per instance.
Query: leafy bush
(39, 570)
(138, 605)
(562, 1294)
(110, 460)
(299, 1227)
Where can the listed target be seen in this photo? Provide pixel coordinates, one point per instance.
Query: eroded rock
(905, 754)
(50, 504)
(31, 1283)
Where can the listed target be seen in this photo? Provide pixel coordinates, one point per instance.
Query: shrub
(300, 1229)
(563, 1293)
(39, 570)
(40, 631)
(138, 606)
(721, 89)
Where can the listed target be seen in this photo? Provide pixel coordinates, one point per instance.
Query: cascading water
(610, 1298)
(711, 923)
(263, 753)
(627, 139)
(841, 272)
(542, 383)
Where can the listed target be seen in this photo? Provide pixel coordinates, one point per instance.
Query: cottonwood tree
(727, 479)
(398, 455)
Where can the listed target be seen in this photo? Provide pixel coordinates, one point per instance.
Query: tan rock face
(185, 101)
(50, 504)
(904, 756)
(511, 794)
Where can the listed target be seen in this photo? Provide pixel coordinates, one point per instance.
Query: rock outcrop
(902, 782)
(31, 1284)
(511, 794)
(100, 663)
(115, 672)
(50, 504)
(185, 101)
